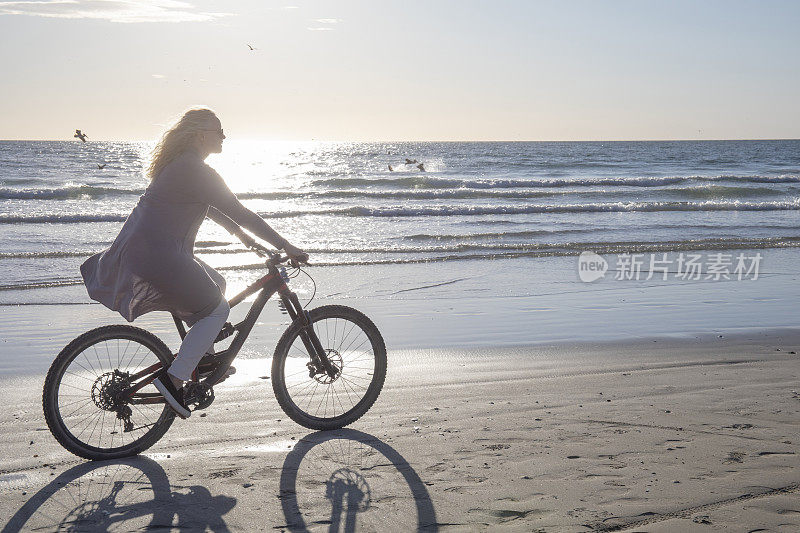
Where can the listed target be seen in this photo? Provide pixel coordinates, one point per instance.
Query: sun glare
(253, 166)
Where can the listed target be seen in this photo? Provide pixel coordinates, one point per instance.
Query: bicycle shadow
(127, 494)
(347, 478)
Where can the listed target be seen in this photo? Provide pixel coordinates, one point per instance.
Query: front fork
(319, 357)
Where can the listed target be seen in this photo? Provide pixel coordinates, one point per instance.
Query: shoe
(173, 396)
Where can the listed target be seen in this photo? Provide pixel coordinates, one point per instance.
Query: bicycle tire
(290, 396)
(64, 361)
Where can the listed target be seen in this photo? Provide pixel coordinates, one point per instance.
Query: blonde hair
(178, 138)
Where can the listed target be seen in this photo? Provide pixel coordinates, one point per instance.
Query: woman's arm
(232, 227)
(213, 191)
(239, 215)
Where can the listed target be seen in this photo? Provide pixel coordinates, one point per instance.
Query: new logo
(591, 267)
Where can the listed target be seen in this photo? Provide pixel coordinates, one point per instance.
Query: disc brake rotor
(318, 373)
(107, 388)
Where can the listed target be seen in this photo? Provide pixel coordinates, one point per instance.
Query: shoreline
(32, 334)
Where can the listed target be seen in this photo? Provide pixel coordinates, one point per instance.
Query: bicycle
(328, 369)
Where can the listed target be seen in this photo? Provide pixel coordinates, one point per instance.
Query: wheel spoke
(353, 326)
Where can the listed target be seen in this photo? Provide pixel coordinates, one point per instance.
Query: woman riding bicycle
(151, 264)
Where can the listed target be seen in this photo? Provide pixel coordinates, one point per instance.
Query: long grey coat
(151, 264)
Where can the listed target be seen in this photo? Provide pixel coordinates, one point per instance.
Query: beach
(657, 434)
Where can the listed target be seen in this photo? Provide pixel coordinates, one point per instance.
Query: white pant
(198, 340)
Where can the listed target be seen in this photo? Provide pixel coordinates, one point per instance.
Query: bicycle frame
(273, 282)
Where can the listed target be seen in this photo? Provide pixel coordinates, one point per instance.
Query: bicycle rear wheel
(314, 399)
(81, 403)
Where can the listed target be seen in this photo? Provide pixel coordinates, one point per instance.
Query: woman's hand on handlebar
(293, 253)
(296, 255)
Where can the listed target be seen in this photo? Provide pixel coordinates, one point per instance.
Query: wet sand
(656, 434)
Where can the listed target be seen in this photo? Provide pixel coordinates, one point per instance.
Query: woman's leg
(198, 339)
(221, 283)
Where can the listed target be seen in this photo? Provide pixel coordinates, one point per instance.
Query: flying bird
(79, 135)
(251, 48)
(421, 166)
(101, 167)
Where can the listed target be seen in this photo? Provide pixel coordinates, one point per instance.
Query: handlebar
(274, 257)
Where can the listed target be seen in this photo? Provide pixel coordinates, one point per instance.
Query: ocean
(479, 201)
(480, 248)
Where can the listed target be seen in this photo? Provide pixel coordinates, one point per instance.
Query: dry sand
(652, 435)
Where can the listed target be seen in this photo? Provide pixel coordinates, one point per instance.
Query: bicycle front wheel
(314, 399)
(82, 399)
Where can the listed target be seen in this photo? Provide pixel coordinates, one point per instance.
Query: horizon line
(256, 139)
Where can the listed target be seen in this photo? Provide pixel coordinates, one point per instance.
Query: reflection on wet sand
(352, 481)
(121, 495)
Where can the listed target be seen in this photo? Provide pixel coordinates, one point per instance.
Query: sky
(380, 70)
